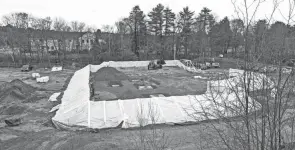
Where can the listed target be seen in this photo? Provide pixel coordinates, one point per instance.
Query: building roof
(41, 33)
(57, 34)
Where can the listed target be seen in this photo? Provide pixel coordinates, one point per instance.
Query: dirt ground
(35, 132)
(169, 81)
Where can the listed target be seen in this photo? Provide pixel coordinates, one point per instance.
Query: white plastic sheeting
(35, 75)
(55, 108)
(200, 77)
(53, 97)
(257, 81)
(56, 68)
(235, 72)
(76, 100)
(157, 110)
(76, 109)
(169, 63)
(42, 79)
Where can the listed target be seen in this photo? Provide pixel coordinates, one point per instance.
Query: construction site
(107, 99)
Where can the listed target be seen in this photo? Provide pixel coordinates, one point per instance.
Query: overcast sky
(102, 12)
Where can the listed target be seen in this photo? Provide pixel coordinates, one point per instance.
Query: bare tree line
(252, 110)
(161, 33)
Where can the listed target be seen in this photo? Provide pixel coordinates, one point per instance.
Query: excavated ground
(36, 132)
(128, 83)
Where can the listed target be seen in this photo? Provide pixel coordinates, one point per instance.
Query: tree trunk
(186, 44)
(48, 55)
(13, 57)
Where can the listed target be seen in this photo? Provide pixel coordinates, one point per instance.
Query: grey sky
(101, 12)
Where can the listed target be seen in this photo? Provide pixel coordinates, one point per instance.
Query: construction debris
(156, 64)
(145, 87)
(13, 122)
(26, 68)
(35, 75)
(43, 79)
(56, 68)
(200, 77)
(53, 97)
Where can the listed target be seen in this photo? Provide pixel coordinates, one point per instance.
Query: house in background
(45, 41)
(55, 41)
(68, 41)
(87, 40)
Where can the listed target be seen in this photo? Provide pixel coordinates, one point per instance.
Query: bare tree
(45, 27)
(18, 20)
(121, 27)
(59, 24)
(109, 30)
(81, 26)
(74, 26)
(149, 136)
(90, 28)
(252, 109)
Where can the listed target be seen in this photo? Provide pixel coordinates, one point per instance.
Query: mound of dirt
(12, 110)
(109, 74)
(17, 84)
(15, 89)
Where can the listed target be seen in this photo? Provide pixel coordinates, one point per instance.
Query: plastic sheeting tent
(235, 72)
(76, 109)
(258, 81)
(117, 64)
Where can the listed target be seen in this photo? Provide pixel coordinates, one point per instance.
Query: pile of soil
(12, 110)
(15, 89)
(110, 74)
(35, 97)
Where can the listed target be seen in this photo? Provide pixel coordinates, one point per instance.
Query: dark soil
(15, 90)
(130, 95)
(147, 82)
(34, 98)
(111, 83)
(109, 74)
(17, 84)
(12, 110)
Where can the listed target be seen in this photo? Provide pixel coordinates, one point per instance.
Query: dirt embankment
(12, 93)
(17, 89)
